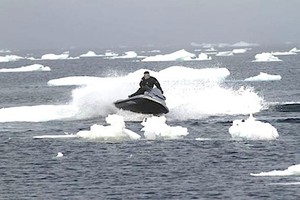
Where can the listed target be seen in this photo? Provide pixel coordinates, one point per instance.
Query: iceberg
(295, 50)
(116, 130)
(128, 55)
(5, 51)
(266, 57)
(244, 44)
(225, 53)
(51, 56)
(29, 68)
(180, 55)
(290, 52)
(89, 54)
(264, 77)
(156, 128)
(251, 129)
(239, 51)
(10, 58)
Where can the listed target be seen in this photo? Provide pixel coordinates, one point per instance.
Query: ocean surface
(39, 107)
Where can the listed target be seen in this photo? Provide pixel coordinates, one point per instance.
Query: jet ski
(151, 102)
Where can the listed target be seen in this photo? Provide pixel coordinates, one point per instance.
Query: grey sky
(45, 24)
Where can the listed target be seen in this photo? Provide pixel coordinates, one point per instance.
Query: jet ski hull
(142, 104)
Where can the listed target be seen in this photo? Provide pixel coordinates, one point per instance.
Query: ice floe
(51, 56)
(29, 68)
(251, 129)
(266, 57)
(293, 170)
(10, 58)
(264, 77)
(181, 55)
(116, 130)
(156, 128)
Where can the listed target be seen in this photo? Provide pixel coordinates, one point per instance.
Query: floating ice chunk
(5, 51)
(128, 54)
(295, 50)
(244, 44)
(225, 53)
(180, 55)
(239, 51)
(266, 57)
(290, 52)
(10, 58)
(89, 54)
(264, 77)
(156, 128)
(59, 155)
(54, 136)
(211, 49)
(29, 68)
(293, 170)
(63, 56)
(250, 129)
(203, 56)
(110, 54)
(115, 131)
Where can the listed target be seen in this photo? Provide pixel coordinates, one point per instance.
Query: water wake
(191, 94)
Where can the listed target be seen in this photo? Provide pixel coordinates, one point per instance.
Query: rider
(146, 84)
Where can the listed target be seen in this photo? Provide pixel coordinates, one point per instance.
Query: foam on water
(293, 170)
(191, 94)
(156, 128)
(29, 68)
(264, 77)
(251, 129)
(266, 57)
(10, 58)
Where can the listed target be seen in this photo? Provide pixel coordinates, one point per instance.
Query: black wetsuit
(146, 85)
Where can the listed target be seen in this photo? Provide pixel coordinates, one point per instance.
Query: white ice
(224, 53)
(59, 155)
(264, 77)
(251, 129)
(287, 53)
(116, 130)
(5, 51)
(239, 51)
(180, 55)
(89, 54)
(156, 128)
(293, 170)
(10, 58)
(29, 68)
(266, 57)
(128, 55)
(62, 56)
(244, 44)
(295, 50)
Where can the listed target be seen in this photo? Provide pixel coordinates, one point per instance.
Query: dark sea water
(206, 164)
